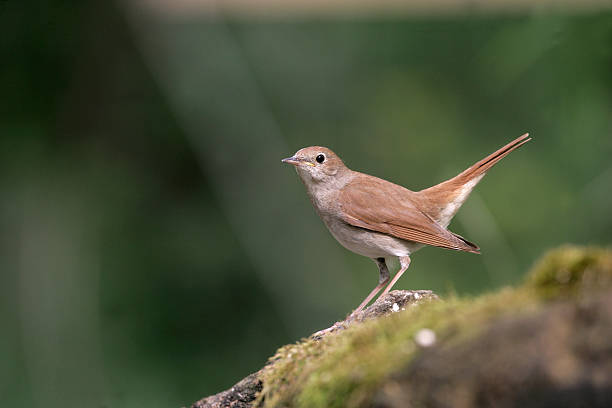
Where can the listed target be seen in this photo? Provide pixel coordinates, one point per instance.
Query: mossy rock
(548, 339)
(570, 271)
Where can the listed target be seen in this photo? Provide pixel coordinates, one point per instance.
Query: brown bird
(379, 219)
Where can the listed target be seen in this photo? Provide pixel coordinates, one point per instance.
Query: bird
(382, 220)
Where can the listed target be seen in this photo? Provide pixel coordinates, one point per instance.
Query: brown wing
(378, 205)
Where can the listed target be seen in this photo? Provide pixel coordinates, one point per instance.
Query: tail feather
(471, 247)
(485, 164)
(442, 201)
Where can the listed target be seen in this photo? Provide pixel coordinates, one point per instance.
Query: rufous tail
(443, 200)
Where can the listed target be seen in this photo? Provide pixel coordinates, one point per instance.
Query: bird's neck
(324, 193)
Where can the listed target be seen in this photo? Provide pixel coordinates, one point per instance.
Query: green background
(154, 250)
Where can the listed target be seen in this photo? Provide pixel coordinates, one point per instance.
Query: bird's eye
(320, 158)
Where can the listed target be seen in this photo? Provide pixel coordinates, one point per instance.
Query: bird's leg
(382, 281)
(404, 263)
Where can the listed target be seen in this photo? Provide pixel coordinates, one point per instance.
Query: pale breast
(368, 243)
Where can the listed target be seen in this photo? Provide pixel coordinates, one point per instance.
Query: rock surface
(244, 392)
(545, 343)
(392, 302)
(559, 357)
(240, 395)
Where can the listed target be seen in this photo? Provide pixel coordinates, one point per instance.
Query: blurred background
(153, 248)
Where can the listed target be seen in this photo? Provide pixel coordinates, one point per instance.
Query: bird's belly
(369, 243)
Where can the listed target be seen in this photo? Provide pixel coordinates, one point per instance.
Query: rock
(392, 302)
(559, 356)
(243, 394)
(240, 395)
(545, 343)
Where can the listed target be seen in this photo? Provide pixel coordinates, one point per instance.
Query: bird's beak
(297, 161)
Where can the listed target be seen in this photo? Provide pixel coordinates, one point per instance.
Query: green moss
(571, 270)
(345, 369)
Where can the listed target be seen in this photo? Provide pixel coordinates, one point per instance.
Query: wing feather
(378, 205)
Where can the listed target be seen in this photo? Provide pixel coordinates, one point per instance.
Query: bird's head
(316, 164)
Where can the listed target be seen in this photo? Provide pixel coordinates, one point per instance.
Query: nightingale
(379, 219)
